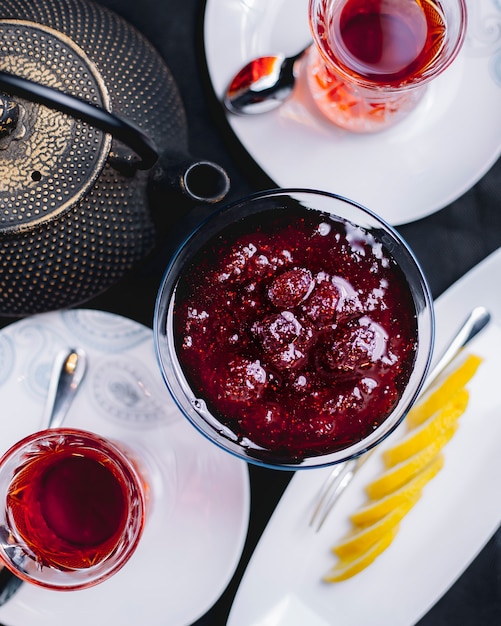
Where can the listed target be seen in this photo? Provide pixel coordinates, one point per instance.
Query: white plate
(458, 512)
(195, 533)
(405, 173)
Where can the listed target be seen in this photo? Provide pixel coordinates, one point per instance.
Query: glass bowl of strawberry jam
(294, 328)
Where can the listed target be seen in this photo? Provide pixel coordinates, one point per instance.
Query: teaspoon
(67, 374)
(262, 85)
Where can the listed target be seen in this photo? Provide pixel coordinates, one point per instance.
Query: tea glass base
(355, 108)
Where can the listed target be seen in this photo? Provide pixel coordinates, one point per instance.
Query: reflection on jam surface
(298, 331)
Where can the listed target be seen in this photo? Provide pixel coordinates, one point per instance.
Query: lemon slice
(358, 542)
(346, 568)
(411, 464)
(456, 380)
(422, 437)
(376, 510)
(400, 474)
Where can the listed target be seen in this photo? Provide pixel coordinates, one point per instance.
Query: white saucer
(195, 533)
(458, 512)
(431, 158)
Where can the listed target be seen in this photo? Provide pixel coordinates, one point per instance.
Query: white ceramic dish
(407, 172)
(196, 530)
(457, 514)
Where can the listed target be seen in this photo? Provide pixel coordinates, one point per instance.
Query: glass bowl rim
(164, 357)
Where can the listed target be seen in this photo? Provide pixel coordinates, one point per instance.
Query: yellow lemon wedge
(359, 541)
(420, 438)
(393, 478)
(410, 464)
(377, 509)
(455, 381)
(346, 568)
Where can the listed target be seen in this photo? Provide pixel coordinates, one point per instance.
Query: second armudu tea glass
(372, 58)
(73, 508)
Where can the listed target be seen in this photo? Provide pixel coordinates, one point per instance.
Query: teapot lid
(48, 160)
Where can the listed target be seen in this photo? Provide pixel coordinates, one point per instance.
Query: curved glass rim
(429, 74)
(186, 400)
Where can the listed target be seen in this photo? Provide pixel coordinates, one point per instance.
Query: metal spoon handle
(67, 374)
(475, 322)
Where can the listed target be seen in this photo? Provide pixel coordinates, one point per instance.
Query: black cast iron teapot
(90, 122)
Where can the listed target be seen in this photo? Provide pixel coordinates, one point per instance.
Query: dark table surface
(447, 244)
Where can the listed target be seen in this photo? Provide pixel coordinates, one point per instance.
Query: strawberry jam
(297, 329)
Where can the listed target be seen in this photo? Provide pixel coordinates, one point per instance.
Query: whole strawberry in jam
(284, 339)
(242, 380)
(322, 305)
(290, 288)
(353, 348)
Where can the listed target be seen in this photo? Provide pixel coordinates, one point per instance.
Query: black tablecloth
(447, 244)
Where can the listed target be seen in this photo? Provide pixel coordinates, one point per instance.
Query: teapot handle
(201, 181)
(124, 130)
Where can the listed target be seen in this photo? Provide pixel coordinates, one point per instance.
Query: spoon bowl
(262, 85)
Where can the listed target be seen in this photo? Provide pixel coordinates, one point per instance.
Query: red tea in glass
(75, 505)
(371, 55)
(387, 42)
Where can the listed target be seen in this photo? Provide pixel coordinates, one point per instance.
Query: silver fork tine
(342, 474)
(330, 483)
(335, 488)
